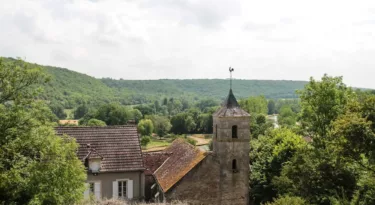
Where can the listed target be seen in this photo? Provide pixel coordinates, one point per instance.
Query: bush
(191, 141)
(96, 122)
(145, 140)
(289, 200)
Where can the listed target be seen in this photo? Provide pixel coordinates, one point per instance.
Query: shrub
(145, 140)
(290, 200)
(191, 141)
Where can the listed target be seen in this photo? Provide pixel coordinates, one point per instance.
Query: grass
(154, 143)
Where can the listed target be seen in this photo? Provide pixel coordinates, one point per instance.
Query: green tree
(137, 115)
(96, 123)
(255, 105)
(267, 156)
(58, 110)
(271, 107)
(287, 117)
(113, 114)
(81, 111)
(145, 140)
(161, 124)
(322, 102)
(287, 200)
(36, 166)
(145, 127)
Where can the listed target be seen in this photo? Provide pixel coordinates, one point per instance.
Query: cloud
(147, 39)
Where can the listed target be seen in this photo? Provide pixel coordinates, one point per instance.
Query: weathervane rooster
(230, 71)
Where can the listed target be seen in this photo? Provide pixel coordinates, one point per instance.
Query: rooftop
(118, 146)
(230, 108)
(184, 157)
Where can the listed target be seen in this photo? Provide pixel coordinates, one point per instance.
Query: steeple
(230, 101)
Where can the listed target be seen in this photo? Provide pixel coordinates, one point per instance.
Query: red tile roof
(184, 158)
(153, 160)
(118, 145)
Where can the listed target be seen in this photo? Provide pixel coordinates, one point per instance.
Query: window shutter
(130, 189)
(114, 190)
(86, 194)
(97, 190)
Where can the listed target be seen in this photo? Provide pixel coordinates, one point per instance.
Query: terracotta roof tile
(153, 160)
(118, 145)
(184, 158)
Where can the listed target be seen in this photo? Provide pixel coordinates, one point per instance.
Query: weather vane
(230, 71)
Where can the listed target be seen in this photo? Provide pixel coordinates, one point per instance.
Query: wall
(199, 186)
(106, 180)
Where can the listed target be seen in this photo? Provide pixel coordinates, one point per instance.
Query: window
(216, 131)
(92, 188)
(234, 166)
(234, 131)
(122, 189)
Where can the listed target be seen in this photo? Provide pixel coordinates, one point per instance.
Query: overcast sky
(153, 39)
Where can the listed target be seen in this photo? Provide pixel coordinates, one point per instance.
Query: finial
(230, 71)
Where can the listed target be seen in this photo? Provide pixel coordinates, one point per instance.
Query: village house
(218, 177)
(113, 158)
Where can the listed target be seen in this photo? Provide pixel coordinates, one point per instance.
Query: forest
(320, 152)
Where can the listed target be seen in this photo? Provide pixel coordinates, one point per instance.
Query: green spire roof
(230, 101)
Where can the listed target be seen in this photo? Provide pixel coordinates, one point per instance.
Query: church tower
(231, 138)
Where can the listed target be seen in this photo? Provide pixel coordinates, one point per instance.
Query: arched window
(216, 131)
(234, 131)
(234, 166)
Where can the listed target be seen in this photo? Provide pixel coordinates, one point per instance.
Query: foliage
(145, 140)
(81, 111)
(145, 127)
(287, 200)
(58, 110)
(259, 125)
(287, 117)
(191, 141)
(267, 155)
(161, 124)
(271, 107)
(322, 102)
(258, 105)
(36, 166)
(96, 122)
(114, 114)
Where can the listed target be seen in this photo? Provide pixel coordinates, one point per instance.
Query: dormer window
(95, 164)
(234, 131)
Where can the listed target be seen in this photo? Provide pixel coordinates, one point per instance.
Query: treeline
(68, 89)
(322, 154)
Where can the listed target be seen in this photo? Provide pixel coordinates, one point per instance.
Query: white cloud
(146, 39)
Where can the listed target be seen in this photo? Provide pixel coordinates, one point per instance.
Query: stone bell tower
(231, 138)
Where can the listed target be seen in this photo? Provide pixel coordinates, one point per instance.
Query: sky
(185, 39)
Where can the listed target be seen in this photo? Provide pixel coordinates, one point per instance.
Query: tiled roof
(184, 158)
(230, 108)
(153, 160)
(118, 145)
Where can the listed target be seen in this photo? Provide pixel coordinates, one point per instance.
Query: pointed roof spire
(230, 101)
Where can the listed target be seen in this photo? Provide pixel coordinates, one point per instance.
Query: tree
(96, 123)
(145, 127)
(287, 117)
(161, 124)
(113, 114)
(145, 140)
(36, 166)
(322, 102)
(58, 110)
(81, 111)
(137, 115)
(267, 156)
(271, 107)
(255, 105)
(287, 200)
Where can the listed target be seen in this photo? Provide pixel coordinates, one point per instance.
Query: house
(213, 177)
(113, 158)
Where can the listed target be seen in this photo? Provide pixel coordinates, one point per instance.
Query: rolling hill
(70, 88)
